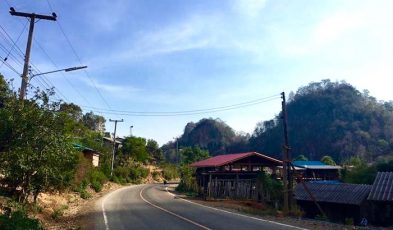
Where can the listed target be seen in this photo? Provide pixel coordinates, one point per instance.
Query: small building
(317, 170)
(233, 175)
(381, 198)
(92, 155)
(337, 200)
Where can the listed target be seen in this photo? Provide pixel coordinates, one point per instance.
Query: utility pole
(287, 175)
(114, 142)
(131, 130)
(32, 18)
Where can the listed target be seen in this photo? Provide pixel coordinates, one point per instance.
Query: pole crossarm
(32, 17)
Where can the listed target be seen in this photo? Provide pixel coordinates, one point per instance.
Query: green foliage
(359, 172)
(135, 147)
(272, 188)
(328, 160)
(153, 149)
(97, 179)
(330, 116)
(59, 212)
(19, 221)
(84, 194)
(301, 157)
(169, 171)
(131, 173)
(190, 155)
(38, 155)
(187, 180)
(94, 122)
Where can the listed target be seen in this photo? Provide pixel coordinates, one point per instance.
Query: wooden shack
(233, 176)
(337, 200)
(381, 198)
(317, 170)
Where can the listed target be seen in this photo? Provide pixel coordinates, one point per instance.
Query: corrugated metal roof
(305, 163)
(334, 193)
(314, 165)
(382, 188)
(221, 160)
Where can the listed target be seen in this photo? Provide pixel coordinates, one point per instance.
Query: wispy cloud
(119, 91)
(249, 8)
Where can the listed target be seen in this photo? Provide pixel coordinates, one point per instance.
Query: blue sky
(173, 55)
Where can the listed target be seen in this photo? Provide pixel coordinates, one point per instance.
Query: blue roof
(304, 163)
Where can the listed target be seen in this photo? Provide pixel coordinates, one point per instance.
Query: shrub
(169, 171)
(84, 194)
(96, 185)
(59, 212)
(19, 220)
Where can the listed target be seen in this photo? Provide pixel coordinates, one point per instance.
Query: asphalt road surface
(152, 207)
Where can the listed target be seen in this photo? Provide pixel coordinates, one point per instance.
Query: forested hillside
(324, 118)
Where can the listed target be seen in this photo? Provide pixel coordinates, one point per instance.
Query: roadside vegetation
(41, 144)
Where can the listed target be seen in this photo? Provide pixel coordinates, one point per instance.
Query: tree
(328, 160)
(301, 157)
(94, 122)
(38, 155)
(192, 154)
(135, 147)
(154, 150)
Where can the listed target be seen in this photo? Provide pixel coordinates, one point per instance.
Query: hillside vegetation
(324, 118)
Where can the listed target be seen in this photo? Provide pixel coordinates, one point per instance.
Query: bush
(96, 185)
(97, 179)
(19, 220)
(59, 212)
(84, 194)
(187, 181)
(169, 171)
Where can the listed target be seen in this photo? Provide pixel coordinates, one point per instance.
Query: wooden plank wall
(241, 189)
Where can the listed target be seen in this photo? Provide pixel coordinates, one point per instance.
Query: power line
(13, 46)
(79, 59)
(186, 113)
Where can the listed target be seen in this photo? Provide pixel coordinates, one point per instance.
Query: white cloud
(119, 91)
(250, 8)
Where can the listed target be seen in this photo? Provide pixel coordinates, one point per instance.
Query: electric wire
(188, 112)
(13, 46)
(78, 58)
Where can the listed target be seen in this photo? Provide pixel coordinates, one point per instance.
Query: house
(316, 170)
(233, 175)
(381, 198)
(92, 155)
(108, 141)
(337, 200)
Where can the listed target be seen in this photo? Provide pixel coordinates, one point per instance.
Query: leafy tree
(153, 149)
(193, 154)
(94, 122)
(38, 155)
(330, 116)
(135, 147)
(301, 157)
(328, 160)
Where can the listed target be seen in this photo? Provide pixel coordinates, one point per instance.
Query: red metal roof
(221, 160)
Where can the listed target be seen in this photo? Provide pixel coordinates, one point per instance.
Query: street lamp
(131, 130)
(59, 70)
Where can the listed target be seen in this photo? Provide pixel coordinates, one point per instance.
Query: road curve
(152, 207)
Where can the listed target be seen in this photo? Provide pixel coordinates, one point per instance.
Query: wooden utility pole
(32, 18)
(287, 176)
(114, 142)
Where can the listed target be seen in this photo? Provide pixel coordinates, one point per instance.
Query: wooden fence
(243, 189)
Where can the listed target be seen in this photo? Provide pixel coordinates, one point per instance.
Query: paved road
(152, 207)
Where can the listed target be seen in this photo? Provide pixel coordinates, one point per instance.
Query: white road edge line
(238, 214)
(103, 204)
(174, 214)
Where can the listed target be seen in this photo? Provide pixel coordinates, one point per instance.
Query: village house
(341, 201)
(233, 175)
(92, 155)
(317, 170)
